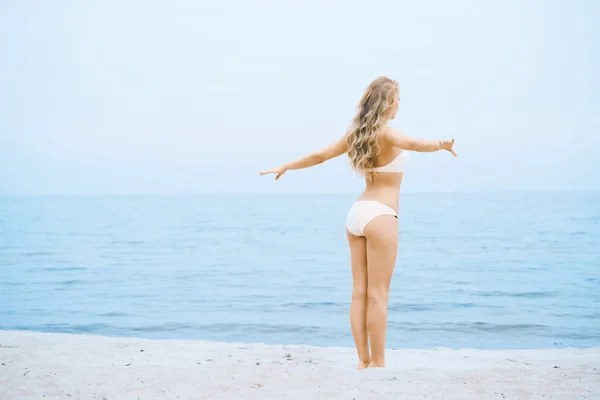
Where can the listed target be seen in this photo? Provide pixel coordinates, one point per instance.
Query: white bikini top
(397, 165)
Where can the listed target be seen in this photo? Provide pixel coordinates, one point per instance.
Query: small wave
(262, 328)
(37, 253)
(113, 314)
(69, 328)
(529, 295)
(463, 305)
(411, 307)
(576, 336)
(63, 269)
(166, 327)
(12, 283)
(230, 328)
(570, 315)
(70, 282)
(469, 327)
(312, 304)
(533, 295)
(59, 284)
(487, 327)
(127, 242)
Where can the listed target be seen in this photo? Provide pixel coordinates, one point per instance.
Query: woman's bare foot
(363, 365)
(374, 364)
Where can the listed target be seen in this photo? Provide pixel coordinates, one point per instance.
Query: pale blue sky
(136, 97)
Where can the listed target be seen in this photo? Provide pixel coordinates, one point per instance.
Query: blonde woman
(379, 153)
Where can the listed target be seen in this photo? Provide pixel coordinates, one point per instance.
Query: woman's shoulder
(389, 130)
(386, 133)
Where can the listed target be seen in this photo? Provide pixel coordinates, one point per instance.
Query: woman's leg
(382, 247)
(358, 307)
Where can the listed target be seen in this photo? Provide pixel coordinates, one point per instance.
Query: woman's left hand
(448, 145)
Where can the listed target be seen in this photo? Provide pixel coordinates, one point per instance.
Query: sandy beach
(64, 366)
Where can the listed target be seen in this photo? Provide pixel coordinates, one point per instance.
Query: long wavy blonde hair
(371, 116)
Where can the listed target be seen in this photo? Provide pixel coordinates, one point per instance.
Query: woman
(379, 153)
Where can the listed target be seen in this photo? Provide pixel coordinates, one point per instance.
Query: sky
(189, 97)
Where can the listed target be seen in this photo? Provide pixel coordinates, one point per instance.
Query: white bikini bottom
(362, 212)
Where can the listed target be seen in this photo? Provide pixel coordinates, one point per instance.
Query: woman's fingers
(451, 147)
(277, 171)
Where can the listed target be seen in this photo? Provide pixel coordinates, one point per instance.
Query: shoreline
(83, 366)
(316, 347)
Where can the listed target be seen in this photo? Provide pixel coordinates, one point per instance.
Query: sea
(474, 270)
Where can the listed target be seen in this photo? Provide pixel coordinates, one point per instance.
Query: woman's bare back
(384, 187)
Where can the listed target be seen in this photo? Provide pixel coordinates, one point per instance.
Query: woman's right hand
(279, 171)
(448, 146)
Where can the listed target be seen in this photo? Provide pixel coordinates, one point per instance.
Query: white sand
(61, 366)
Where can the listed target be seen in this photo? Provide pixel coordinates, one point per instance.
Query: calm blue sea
(474, 270)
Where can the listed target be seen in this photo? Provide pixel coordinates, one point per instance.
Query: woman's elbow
(413, 145)
(319, 158)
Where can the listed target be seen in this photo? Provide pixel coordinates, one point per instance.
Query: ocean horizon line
(291, 193)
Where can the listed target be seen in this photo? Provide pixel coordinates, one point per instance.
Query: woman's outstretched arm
(407, 143)
(335, 149)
